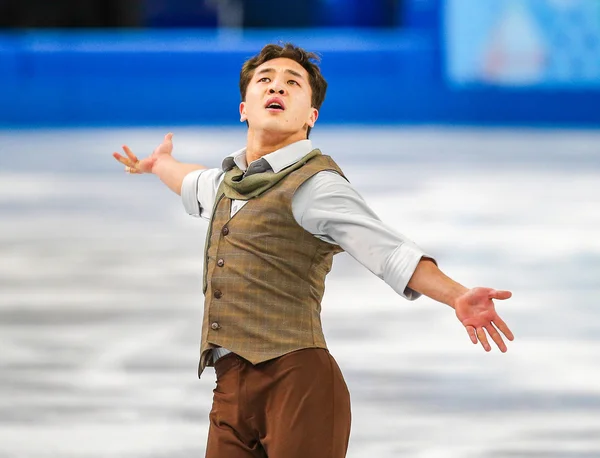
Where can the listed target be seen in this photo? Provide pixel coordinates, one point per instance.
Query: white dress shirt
(327, 206)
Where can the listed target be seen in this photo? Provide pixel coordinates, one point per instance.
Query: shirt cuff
(400, 267)
(189, 193)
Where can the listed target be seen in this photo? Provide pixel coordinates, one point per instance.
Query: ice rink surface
(100, 295)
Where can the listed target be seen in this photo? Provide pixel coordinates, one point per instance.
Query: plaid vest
(265, 274)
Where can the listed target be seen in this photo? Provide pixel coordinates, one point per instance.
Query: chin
(277, 126)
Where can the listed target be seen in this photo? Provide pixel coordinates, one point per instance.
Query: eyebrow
(287, 70)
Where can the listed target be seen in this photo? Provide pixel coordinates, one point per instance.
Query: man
(279, 210)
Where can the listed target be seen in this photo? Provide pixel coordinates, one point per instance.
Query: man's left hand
(475, 310)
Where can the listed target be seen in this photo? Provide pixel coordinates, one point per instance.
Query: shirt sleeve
(198, 191)
(329, 207)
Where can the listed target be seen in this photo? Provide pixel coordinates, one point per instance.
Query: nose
(276, 87)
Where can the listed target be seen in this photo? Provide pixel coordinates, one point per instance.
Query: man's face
(278, 98)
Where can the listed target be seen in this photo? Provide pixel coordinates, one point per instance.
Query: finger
(169, 137)
(496, 337)
(122, 160)
(132, 171)
(472, 335)
(501, 295)
(483, 339)
(130, 154)
(500, 324)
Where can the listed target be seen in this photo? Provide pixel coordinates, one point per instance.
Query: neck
(258, 144)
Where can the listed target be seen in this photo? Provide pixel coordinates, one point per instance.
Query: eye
(264, 80)
(293, 82)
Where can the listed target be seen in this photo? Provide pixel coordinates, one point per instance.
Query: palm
(136, 166)
(145, 165)
(475, 310)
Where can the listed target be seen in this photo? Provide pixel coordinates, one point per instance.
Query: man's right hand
(135, 166)
(170, 171)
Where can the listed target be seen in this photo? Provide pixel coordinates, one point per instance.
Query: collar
(277, 160)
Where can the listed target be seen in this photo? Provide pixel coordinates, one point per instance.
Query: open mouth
(275, 104)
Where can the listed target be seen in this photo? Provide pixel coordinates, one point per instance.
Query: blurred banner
(533, 43)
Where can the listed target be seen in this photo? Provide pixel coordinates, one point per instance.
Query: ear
(314, 115)
(243, 116)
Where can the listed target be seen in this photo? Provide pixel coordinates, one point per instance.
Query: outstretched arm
(327, 206)
(161, 163)
(473, 307)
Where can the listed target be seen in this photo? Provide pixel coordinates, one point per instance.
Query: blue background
(189, 77)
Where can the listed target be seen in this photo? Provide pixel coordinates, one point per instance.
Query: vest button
(225, 230)
(218, 294)
(215, 326)
(220, 263)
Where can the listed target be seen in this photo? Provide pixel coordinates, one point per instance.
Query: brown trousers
(294, 406)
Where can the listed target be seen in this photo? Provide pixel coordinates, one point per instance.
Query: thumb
(169, 137)
(495, 294)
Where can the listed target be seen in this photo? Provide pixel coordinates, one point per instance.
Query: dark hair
(308, 60)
